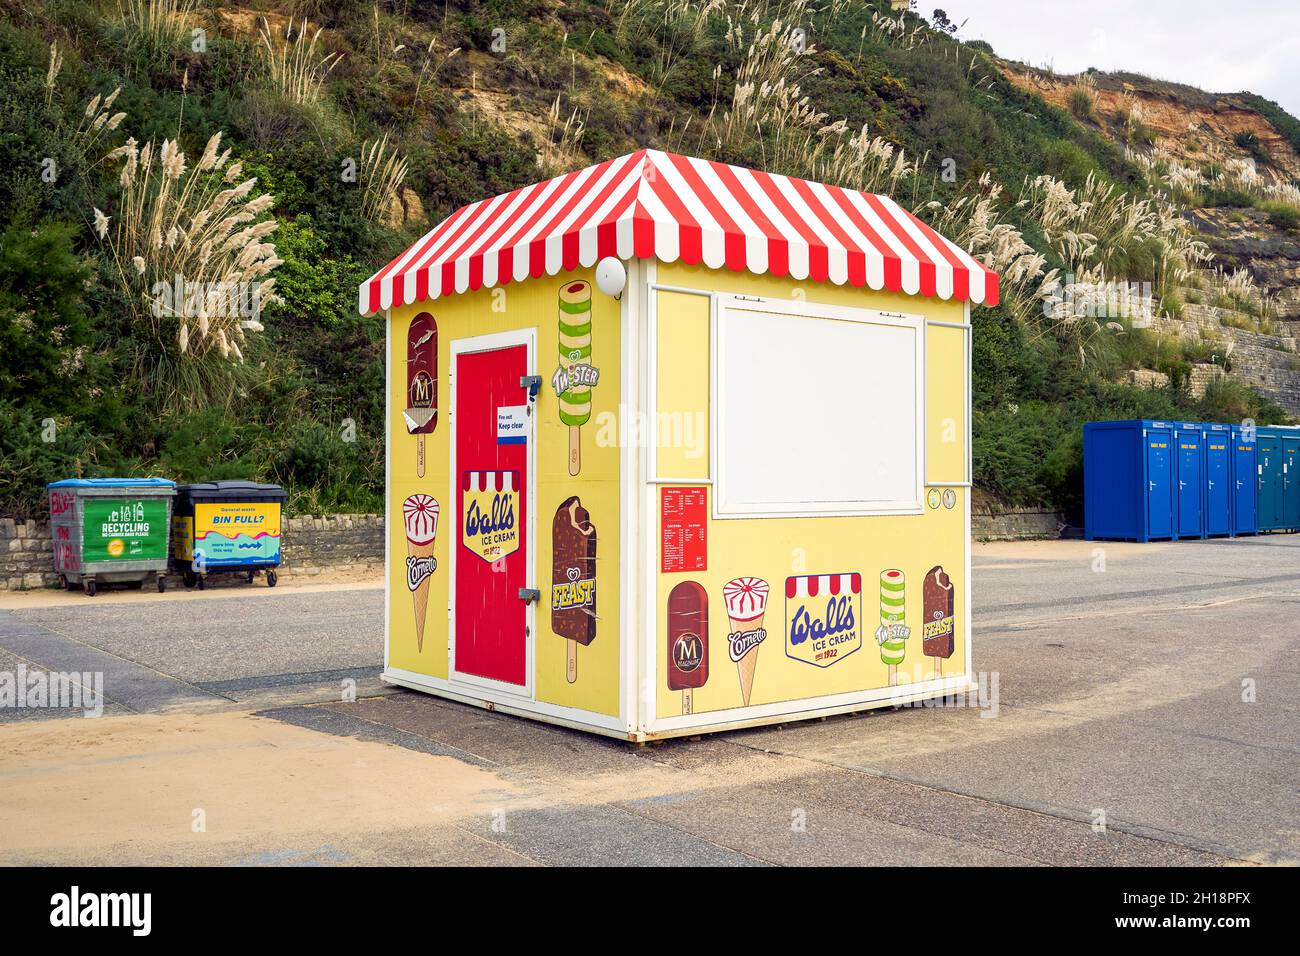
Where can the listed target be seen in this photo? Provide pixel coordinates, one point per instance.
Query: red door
(492, 495)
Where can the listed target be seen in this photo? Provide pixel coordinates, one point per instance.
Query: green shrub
(1082, 103)
(1282, 215)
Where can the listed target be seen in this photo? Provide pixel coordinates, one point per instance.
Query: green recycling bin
(110, 530)
(230, 526)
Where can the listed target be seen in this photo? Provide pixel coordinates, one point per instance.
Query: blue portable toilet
(1268, 470)
(1128, 481)
(1217, 493)
(1277, 456)
(1189, 449)
(1290, 478)
(1245, 481)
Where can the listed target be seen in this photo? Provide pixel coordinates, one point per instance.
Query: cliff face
(1185, 122)
(1203, 130)
(1244, 238)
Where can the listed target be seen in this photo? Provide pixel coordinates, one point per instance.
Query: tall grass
(1222, 174)
(293, 64)
(200, 223)
(564, 136)
(382, 174)
(159, 24)
(680, 27)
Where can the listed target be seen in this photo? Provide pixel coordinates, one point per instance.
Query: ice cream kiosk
(675, 447)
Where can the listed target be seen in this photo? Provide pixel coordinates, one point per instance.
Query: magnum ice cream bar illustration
(938, 635)
(420, 515)
(823, 617)
(490, 522)
(421, 413)
(575, 377)
(893, 632)
(688, 641)
(573, 579)
(746, 603)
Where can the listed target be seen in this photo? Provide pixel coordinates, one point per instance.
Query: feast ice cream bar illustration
(688, 641)
(420, 515)
(939, 632)
(893, 633)
(575, 376)
(746, 603)
(421, 413)
(573, 580)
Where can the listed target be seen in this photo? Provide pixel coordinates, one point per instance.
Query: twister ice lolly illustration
(940, 627)
(746, 602)
(575, 376)
(420, 515)
(421, 413)
(893, 633)
(573, 579)
(688, 641)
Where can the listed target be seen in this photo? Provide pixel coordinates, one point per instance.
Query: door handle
(1182, 485)
(1151, 486)
(530, 595)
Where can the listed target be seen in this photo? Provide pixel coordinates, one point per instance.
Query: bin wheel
(250, 577)
(271, 578)
(162, 584)
(89, 588)
(189, 578)
(63, 582)
(135, 585)
(203, 582)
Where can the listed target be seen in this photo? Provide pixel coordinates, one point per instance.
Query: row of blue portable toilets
(1152, 480)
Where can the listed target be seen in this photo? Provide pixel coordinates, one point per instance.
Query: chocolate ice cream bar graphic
(421, 413)
(420, 516)
(938, 635)
(746, 603)
(573, 579)
(688, 640)
(575, 375)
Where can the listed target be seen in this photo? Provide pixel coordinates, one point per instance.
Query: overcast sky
(1222, 46)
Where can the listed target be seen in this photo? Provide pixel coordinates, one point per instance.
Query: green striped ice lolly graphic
(575, 350)
(893, 611)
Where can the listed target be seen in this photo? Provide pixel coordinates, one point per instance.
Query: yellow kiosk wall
(531, 304)
(775, 549)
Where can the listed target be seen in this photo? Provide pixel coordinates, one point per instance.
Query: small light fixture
(611, 276)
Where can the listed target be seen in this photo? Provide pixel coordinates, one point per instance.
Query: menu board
(683, 529)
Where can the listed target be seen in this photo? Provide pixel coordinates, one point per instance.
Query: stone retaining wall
(312, 544)
(1026, 524)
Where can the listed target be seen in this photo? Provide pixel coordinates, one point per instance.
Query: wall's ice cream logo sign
(576, 376)
(421, 412)
(490, 520)
(746, 602)
(823, 617)
(573, 580)
(420, 515)
(893, 632)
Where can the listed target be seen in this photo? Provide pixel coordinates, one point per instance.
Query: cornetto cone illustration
(688, 641)
(421, 413)
(938, 636)
(893, 632)
(746, 602)
(420, 515)
(575, 376)
(573, 579)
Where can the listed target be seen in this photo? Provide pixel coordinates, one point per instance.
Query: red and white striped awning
(651, 204)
